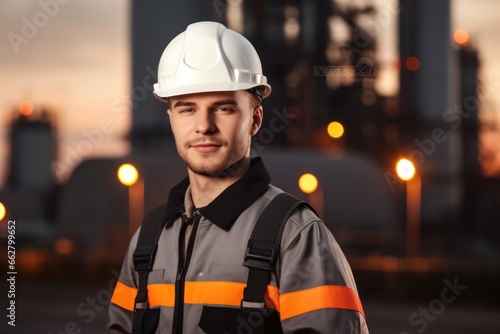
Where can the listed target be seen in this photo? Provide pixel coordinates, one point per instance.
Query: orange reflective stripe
(214, 293)
(124, 296)
(224, 293)
(326, 296)
(158, 295)
(273, 297)
(161, 295)
(211, 293)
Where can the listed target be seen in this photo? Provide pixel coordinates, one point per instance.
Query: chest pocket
(218, 319)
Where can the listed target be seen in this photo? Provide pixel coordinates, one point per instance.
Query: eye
(224, 110)
(187, 111)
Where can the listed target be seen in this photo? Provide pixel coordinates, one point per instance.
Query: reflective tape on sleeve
(323, 297)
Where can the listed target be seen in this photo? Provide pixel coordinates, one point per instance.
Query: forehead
(239, 97)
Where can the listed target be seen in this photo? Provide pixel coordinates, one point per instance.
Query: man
(212, 80)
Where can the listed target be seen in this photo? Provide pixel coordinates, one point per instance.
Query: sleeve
(121, 308)
(318, 293)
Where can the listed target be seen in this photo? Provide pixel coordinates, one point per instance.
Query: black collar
(226, 207)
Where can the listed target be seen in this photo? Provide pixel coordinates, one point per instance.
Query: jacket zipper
(183, 263)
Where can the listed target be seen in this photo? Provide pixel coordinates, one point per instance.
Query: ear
(257, 115)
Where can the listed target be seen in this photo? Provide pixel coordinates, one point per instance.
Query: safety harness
(260, 258)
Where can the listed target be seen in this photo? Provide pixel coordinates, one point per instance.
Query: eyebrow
(184, 104)
(216, 103)
(225, 102)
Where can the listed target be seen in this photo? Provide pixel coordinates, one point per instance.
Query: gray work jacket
(313, 288)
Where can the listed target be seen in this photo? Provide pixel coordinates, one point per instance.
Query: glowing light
(405, 169)
(461, 37)
(128, 174)
(3, 211)
(64, 246)
(31, 261)
(26, 108)
(291, 27)
(390, 263)
(308, 183)
(335, 129)
(412, 63)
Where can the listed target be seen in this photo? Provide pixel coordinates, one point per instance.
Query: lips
(206, 147)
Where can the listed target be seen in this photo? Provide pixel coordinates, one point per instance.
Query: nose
(205, 124)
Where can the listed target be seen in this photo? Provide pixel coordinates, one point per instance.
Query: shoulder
(157, 212)
(301, 218)
(150, 223)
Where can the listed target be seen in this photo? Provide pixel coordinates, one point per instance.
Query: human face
(213, 130)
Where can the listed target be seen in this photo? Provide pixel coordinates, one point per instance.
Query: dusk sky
(77, 63)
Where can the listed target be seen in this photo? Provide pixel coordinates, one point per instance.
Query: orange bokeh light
(308, 183)
(405, 169)
(26, 108)
(3, 211)
(64, 246)
(461, 37)
(412, 63)
(128, 174)
(335, 129)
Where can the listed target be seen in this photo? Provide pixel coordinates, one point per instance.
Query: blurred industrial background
(357, 86)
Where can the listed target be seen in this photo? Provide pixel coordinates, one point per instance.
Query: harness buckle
(252, 305)
(261, 254)
(144, 257)
(141, 306)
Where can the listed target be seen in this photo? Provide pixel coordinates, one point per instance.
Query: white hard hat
(208, 57)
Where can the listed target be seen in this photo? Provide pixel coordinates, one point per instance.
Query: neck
(204, 189)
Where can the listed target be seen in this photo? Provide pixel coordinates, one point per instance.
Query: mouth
(206, 147)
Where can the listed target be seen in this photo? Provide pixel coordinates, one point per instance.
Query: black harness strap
(263, 248)
(145, 321)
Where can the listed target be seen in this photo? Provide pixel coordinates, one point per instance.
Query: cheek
(244, 129)
(177, 126)
(173, 127)
(247, 125)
